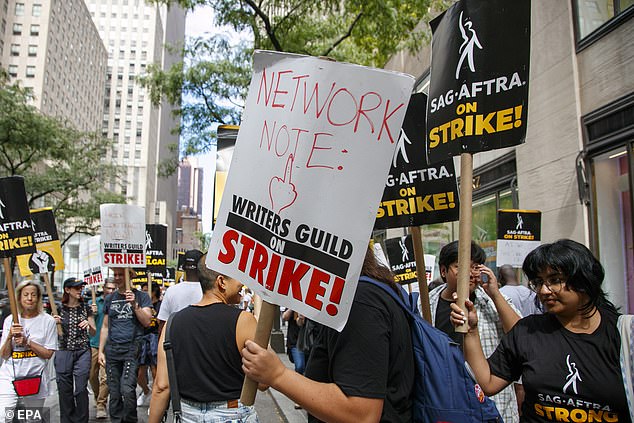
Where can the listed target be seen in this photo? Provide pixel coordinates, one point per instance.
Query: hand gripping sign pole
(16, 230)
(464, 229)
(268, 312)
(463, 118)
(272, 231)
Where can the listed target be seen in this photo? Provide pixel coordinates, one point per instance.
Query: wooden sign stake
(268, 312)
(464, 236)
(51, 300)
(419, 255)
(11, 290)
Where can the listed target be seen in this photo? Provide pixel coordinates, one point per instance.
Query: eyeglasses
(553, 283)
(472, 269)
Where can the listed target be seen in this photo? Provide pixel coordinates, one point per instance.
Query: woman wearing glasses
(568, 358)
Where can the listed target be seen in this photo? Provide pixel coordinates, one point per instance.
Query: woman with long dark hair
(72, 360)
(363, 373)
(568, 358)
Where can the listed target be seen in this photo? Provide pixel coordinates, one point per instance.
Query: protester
(149, 349)
(185, 293)
(498, 313)
(363, 373)
(26, 348)
(247, 300)
(206, 338)
(98, 380)
(126, 313)
(72, 359)
(294, 354)
(568, 358)
(523, 298)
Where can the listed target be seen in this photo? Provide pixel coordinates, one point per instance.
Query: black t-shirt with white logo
(568, 377)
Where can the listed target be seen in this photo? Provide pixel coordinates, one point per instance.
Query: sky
(199, 22)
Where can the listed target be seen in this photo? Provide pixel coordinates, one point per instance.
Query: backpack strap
(406, 301)
(171, 372)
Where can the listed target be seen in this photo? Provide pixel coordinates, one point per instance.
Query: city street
(272, 406)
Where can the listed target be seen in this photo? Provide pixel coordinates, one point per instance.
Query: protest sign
(478, 93)
(180, 262)
(16, 230)
(294, 223)
(417, 194)
(519, 233)
(225, 144)
(48, 256)
(90, 260)
(155, 254)
(400, 252)
(122, 235)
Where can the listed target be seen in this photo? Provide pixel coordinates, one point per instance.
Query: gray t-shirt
(123, 326)
(179, 296)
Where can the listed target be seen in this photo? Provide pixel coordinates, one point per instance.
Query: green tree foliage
(215, 74)
(63, 168)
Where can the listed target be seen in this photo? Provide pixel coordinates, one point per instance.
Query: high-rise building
(137, 34)
(190, 186)
(54, 49)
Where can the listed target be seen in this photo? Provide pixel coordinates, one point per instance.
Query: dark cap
(71, 282)
(190, 262)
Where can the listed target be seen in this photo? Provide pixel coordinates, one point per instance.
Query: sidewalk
(285, 405)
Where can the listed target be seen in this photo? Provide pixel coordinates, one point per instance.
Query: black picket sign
(16, 230)
(478, 92)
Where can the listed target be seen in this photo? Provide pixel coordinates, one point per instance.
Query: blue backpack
(444, 388)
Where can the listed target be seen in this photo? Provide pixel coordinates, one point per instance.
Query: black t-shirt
(208, 362)
(443, 323)
(372, 357)
(293, 331)
(73, 337)
(568, 377)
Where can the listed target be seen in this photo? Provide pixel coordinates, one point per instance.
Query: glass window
(613, 193)
(17, 29)
(15, 49)
(32, 50)
(30, 71)
(37, 10)
(592, 14)
(35, 30)
(13, 70)
(19, 9)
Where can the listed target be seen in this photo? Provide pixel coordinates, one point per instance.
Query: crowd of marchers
(543, 353)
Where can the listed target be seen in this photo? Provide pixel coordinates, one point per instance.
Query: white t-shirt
(179, 296)
(246, 300)
(23, 362)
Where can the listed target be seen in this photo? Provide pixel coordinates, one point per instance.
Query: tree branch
(267, 24)
(343, 37)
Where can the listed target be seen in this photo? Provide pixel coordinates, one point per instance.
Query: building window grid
(591, 16)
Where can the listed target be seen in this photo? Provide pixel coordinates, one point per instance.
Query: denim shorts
(217, 412)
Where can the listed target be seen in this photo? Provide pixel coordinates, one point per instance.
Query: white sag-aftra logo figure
(573, 376)
(466, 48)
